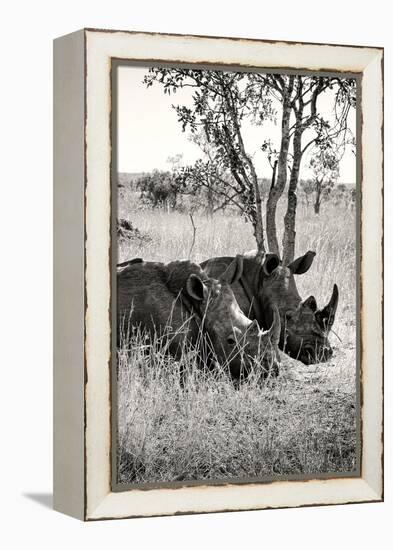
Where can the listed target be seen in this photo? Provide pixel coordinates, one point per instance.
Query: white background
(26, 520)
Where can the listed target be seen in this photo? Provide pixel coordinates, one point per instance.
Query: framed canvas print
(218, 274)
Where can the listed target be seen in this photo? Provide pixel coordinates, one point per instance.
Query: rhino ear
(195, 287)
(234, 271)
(270, 263)
(302, 264)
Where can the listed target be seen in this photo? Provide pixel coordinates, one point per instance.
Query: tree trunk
(317, 203)
(249, 179)
(243, 170)
(210, 200)
(258, 224)
(277, 189)
(288, 242)
(273, 182)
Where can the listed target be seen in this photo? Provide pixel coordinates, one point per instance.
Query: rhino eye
(289, 314)
(231, 341)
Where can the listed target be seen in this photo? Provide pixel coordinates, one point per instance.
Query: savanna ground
(303, 422)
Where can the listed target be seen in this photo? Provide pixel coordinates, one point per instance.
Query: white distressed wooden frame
(82, 108)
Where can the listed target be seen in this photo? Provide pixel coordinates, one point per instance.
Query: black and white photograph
(198, 242)
(236, 255)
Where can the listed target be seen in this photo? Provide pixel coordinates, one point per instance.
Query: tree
(302, 126)
(325, 166)
(175, 162)
(308, 189)
(209, 179)
(279, 88)
(221, 101)
(220, 104)
(212, 187)
(159, 188)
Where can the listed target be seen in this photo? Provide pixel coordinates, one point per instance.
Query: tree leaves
(221, 101)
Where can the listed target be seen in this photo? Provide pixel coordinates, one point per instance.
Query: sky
(149, 132)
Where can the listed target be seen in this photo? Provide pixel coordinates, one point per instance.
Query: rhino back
(144, 300)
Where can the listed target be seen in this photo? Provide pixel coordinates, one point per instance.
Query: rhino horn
(327, 315)
(253, 328)
(275, 329)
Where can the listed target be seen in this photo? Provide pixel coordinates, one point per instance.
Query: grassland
(303, 422)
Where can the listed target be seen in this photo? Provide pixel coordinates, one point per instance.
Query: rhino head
(237, 341)
(305, 328)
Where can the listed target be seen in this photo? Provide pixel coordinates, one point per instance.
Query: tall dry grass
(304, 422)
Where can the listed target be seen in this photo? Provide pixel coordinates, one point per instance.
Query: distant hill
(125, 179)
